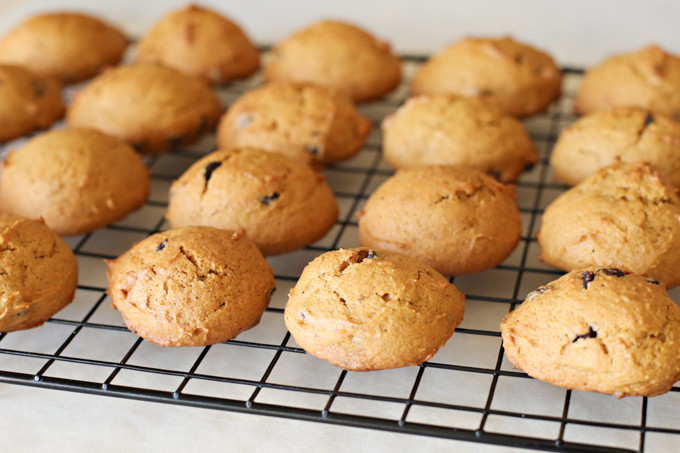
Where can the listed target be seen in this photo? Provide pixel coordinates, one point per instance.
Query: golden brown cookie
(598, 329)
(455, 219)
(363, 309)
(648, 78)
(450, 130)
(69, 46)
(39, 273)
(522, 79)
(77, 180)
(311, 124)
(27, 102)
(339, 56)
(192, 286)
(624, 213)
(282, 205)
(152, 107)
(627, 133)
(200, 43)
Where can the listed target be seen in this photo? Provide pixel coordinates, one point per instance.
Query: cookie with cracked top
(627, 133)
(368, 309)
(624, 213)
(201, 43)
(69, 46)
(522, 79)
(451, 130)
(154, 108)
(456, 219)
(27, 102)
(336, 55)
(648, 78)
(192, 286)
(598, 329)
(39, 273)
(281, 204)
(315, 125)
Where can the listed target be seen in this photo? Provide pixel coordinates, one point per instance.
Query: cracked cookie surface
(625, 213)
(598, 329)
(281, 204)
(368, 309)
(455, 219)
(38, 273)
(450, 130)
(191, 286)
(627, 133)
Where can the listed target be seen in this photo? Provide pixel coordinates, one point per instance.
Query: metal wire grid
(466, 392)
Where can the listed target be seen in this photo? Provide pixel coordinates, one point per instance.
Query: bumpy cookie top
(648, 78)
(307, 123)
(39, 273)
(522, 79)
(69, 46)
(450, 130)
(191, 286)
(630, 134)
(77, 180)
(201, 43)
(153, 107)
(364, 309)
(281, 204)
(624, 213)
(336, 55)
(600, 329)
(27, 102)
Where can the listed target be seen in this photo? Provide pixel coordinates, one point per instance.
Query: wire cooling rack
(467, 391)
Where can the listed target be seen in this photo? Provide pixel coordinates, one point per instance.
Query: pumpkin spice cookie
(339, 56)
(363, 309)
(282, 205)
(77, 180)
(598, 329)
(522, 79)
(648, 78)
(39, 273)
(311, 124)
(626, 133)
(69, 46)
(455, 219)
(450, 130)
(28, 102)
(152, 107)
(200, 43)
(193, 286)
(624, 213)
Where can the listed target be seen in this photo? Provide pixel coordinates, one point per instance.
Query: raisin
(161, 246)
(312, 150)
(649, 119)
(267, 199)
(612, 271)
(209, 169)
(653, 282)
(537, 292)
(587, 277)
(591, 334)
(371, 255)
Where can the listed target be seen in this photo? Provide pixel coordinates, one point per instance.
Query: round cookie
(598, 329)
(192, 286)
(282, 205)
(39, 273)
(363, 309)
(77, 180)
(455, 219)
(339, 56)
(27, 102)
(630, 134)
(152, 107)
(449, 130)
(69, 46)
(200, 43)
(648, 78)
(522, 79)
(311, 124)
(624, 213)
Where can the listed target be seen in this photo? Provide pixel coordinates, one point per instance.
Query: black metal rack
(466, 392)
